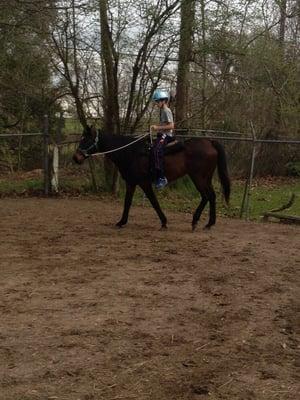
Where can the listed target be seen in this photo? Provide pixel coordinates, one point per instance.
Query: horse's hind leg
(208, 195)
(200, 186)
(212, 206)
(198, 212)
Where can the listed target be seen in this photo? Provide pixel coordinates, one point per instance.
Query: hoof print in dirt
(201, 390)
(188, 363)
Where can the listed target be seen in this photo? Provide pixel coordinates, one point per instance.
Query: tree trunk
(110, 77)
(204, 65)
(110, 90)
(185, 53)
(281, 42)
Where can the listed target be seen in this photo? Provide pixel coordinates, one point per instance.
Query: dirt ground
(91, 312)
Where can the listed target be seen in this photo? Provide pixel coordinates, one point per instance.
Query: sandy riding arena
(89, 312)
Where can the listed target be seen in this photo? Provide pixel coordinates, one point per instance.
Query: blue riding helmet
(160, 94)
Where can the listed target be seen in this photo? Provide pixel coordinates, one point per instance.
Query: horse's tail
(223, 170)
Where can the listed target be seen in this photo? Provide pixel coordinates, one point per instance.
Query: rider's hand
(154, 127)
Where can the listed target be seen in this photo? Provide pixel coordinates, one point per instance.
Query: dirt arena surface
(91, 312)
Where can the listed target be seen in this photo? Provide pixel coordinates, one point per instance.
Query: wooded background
(226, 63)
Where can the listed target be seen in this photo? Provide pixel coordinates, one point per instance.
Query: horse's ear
(93, 131)
(86, 131)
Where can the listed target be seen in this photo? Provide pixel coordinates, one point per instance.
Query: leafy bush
(293, 168)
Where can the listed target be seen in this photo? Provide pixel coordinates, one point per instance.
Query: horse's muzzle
(78, 157)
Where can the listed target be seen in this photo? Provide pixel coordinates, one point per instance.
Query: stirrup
(161, 183)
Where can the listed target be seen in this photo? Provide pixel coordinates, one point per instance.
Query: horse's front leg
(130, 189)
(147, 188)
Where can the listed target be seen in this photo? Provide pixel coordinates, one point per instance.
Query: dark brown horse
(196, 157)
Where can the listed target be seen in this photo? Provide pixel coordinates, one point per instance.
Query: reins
(118, 148)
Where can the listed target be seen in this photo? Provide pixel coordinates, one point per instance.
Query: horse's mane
(127, 157)
(112, 142)
(115, 141)
(122, 139)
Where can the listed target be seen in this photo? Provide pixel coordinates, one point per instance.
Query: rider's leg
(159, 163)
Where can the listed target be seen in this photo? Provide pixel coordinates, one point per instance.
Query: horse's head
(88, 145)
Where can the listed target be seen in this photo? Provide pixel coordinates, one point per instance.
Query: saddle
(174, 146)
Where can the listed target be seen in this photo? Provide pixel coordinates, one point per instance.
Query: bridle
(87, 152)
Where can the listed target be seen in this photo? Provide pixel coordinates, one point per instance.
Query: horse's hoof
(207, 227)
(163, 228)
(119, 225)
(194, 226)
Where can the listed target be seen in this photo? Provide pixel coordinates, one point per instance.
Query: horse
(196, 157)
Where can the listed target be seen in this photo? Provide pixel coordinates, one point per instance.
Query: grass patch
(267, 198)
(266, 194)
(72, 126)
(8, 187)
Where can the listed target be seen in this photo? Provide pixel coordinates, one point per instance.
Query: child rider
(164, 135)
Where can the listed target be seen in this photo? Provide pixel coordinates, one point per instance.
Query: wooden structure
(290, 219)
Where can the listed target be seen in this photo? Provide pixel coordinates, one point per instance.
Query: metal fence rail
(12, 135)
(247, 154)
(242, 137)
(242, 146)
(44, 146)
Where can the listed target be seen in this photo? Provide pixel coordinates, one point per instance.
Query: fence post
(251, 172)
(55, 168)
(244, 197)
(46, 155)
(247, 191)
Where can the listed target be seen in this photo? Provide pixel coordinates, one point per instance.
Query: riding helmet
(160, 94)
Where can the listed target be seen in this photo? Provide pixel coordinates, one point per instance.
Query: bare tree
(139, 62)
(282, 4)
(66, 58)
(185, 55)
(110, 73)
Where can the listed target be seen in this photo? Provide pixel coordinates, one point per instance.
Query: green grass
(181, 196)
(9, 187)
(263, 197)
(72, 126)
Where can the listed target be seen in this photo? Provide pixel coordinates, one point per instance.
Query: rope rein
(119, 148)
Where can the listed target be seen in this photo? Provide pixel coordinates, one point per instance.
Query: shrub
(293, 168)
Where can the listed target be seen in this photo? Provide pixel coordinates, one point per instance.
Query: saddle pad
(173, 147)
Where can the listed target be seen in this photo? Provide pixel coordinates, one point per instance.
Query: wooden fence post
(55, 167)
(46, 155)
